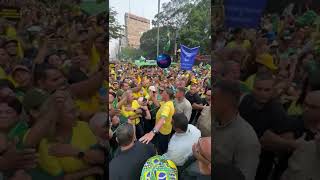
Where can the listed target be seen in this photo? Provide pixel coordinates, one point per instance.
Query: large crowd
(64, 114)
(52, 70)
(160, 122)
(266, 98)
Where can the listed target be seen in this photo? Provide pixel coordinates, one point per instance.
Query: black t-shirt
(193, 98)
(297, 126)
(128, 164)
(75, 75)
(271, 116)
(226, 172)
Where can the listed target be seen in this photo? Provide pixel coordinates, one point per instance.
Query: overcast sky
(143, 8)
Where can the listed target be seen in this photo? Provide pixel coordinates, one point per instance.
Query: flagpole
(158, 29)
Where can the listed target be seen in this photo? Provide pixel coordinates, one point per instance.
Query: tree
(129, 53)
(190, 18)
(115, 28)
(148, 41)
(197, 30)
(174, 13)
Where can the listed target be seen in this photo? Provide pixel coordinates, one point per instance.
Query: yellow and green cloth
(159, 168)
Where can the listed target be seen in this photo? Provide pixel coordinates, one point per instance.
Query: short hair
(12, 102)
(231, 89)
(237, 31)
(227, 66)
(264, 76)
(170, 92)
(41, 71)
(181, 89)
(125, 134)
(99, 118)
(180, 121)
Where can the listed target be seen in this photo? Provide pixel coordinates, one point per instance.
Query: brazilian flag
(167, 46)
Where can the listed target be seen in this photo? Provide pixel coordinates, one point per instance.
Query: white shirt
(184, 107)
(180, 145)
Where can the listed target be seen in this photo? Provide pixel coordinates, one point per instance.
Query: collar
(217, 125)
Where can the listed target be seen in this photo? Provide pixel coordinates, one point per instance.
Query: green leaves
(115, 28)
(148, 42)
(190, 19)
(130, 54)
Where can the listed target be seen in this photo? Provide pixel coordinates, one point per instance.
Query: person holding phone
(130, 110)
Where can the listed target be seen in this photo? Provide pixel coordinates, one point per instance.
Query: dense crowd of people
(52, 69)
(266, 98)
(65, 115)
(159, 115)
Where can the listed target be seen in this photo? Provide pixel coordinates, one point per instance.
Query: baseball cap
(34, 98)
(152, 88)
(267, 60)
(20, 67)
(10, 40)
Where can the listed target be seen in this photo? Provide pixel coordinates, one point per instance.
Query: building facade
(135, 26)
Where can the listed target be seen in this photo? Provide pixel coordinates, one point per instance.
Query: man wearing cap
(265, 64)
(23, 77)
(161, 132)
(11, 45)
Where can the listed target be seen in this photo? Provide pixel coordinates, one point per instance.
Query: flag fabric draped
(188, 56)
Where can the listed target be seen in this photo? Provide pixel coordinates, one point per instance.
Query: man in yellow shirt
(239, 40)
(160, 135)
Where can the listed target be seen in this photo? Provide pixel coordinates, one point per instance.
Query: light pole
(158, 29)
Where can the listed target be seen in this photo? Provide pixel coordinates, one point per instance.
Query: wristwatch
(154, 131)
(80, 155)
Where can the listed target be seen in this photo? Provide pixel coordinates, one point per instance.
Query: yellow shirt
(295, 109)
(250, 81)
(82, 138)
(95, 58)
(134, 105)
(12, 33)
(166, 110)
(246, 44)
(92, 105)
(3, 75)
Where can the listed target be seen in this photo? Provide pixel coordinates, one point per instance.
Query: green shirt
(244, 88)
(18, 132)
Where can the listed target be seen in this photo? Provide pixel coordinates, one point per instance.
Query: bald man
(304, 162)
(201, 168)
(98, 125)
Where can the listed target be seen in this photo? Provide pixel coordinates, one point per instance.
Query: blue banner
(187, 57)
(243, 13)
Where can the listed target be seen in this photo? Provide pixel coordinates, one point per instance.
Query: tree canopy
(115, 28)
(148, 42)
(189, 20)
